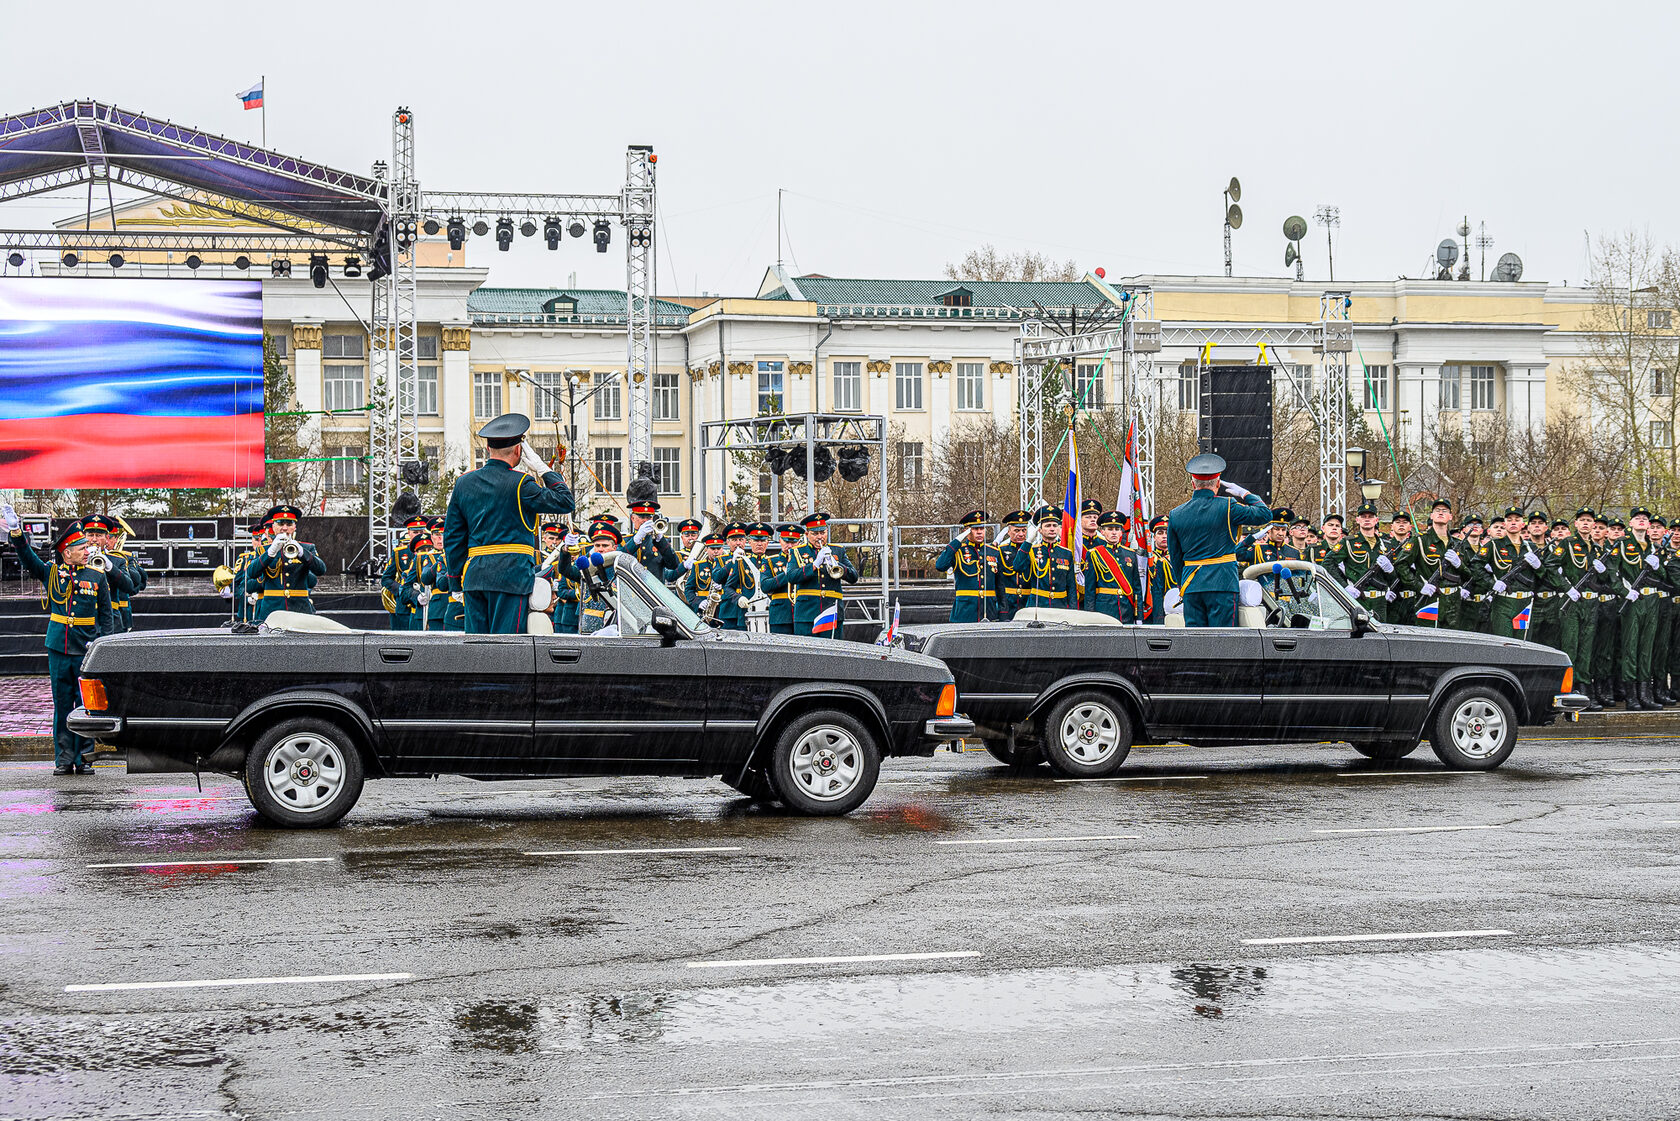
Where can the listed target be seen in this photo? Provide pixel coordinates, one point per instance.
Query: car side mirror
(666, 626)
(1361, 621)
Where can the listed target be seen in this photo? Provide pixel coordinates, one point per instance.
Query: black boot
(1648, 694)
(64, 770)
(1621, 690)
(1592, 691)
(1630, 694)
(1665, 698)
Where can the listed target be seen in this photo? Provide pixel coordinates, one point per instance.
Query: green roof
(594, 305)
(927, 293)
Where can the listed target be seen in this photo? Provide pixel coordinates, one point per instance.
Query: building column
(1525, 398)
(1417, 402)
(455, 398)
(306, 381)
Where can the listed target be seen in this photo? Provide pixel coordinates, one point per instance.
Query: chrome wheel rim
(1090, 733)
(1478, 728)
(304, 772)
(826, 763)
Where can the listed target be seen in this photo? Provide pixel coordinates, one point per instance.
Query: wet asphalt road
(1109, 928)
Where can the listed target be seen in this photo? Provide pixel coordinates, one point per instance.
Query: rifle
(1644, 571)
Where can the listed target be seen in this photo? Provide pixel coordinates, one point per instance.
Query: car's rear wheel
(1387, 752)
(1024, 757)
(1475, 729)
(303, 773)
(1087, 734)
(824, 764)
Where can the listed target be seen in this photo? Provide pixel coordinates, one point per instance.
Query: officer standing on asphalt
(490, 531)
(1111, 572)
(1437, 568)
(1365, 564)
(1570, 565)
(1507, 559)
(974, 575)
(78, 603)
(1202, 537)
(1547, 617)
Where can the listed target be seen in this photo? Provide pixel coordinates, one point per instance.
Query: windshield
(1307, 600)
(663, 596)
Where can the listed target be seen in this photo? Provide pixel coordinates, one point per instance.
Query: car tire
(824, 764)
(1087, 734)
(1475, 729)
(303, 773)
(1387, 752)
(1024, 758)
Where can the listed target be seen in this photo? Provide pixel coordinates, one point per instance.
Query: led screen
(130, 383)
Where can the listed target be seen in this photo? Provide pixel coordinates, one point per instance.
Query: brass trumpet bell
(223, 578)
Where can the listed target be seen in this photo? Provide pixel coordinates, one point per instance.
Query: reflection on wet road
(1233, 932)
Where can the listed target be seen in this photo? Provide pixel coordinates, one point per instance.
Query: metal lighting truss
(394, 422)
(130, 241)
(812, 431)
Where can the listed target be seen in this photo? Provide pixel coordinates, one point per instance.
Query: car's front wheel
(1386, 752)
(303, 773)
(824, 764)
(1087, 734)
(1475, 729)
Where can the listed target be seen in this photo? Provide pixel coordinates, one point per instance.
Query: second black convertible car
(1078, 689)
(304, 709)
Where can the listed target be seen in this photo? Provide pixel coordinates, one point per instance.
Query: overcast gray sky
(904, 133)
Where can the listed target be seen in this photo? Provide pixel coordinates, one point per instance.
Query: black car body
(1312, 666)
(667, 696)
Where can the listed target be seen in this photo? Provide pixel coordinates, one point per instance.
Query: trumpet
(291, 550)
(660, 527)
(833, 567)
(97, 558)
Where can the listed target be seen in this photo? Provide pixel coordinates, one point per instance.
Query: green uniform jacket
(1424, 559)
(285, 584)
(490, 530)
(1570, 562)
(405, 569)
(1502, 560)
(1627, 559)
(1119, 599)
(1205, 529)
(78, 600)
(1160, 579)
(814, 588)
(697, 584)
(773, 571)
(657, 556)
(976, 575)
(1048, 570)
(1009, 587)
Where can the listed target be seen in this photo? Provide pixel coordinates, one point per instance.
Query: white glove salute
(1003, 535)
(1574, 596)
(1428, 590)
(1233, 488)
(1598, 567)
(530, 461)
(1452, 557)
(1533, 560)
(1652, 562)
(1499, 586)
(9, 516)
(1384, 563)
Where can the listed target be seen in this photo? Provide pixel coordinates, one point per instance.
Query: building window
(667, 468)
(909, 465)
(1451, 384)
(1376, 388)
(487, 395)
(426, 348)
(769, 388)
(609, 398)
(433, 455)
(666, 404)
(342, 387)
(547, 394)
(426, 390)
(1657, 320)
(907, 378)
(1088, 385)
(342, 346)
(609, 469)
(481, 455)
(1662, 382)
(1189, 387)
(971, 385)
(848, 387)
(282, 346)
(1481, 387)
(1662, 433)
(344, 470)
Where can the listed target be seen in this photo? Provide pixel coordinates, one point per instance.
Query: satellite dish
(1289, 255)
(1464, 228)
(1509, 269)
(1233, 216)
(1446, 253)
(1234, 190)
(1295, 227)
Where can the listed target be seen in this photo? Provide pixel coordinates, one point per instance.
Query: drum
(542, 595)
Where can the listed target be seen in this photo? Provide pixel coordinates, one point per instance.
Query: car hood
(1431, 636)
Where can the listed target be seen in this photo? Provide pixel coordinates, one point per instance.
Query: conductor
(1202, 538)
(490, 530)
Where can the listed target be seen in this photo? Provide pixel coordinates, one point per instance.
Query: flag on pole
(1430, 612)
(1520, 623)
(891, 632)
(253, 97)
(1130, 500)
(1072, 539)
(828, 620)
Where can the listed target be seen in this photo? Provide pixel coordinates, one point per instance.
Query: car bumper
(1570, 702)
(943, 728)
(93, 725)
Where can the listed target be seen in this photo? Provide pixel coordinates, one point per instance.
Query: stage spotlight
(280, 266)
(528, 228)
(641, 236)
(352, 266)
(115, 260)
(457, 232)
(318, 269)
(552, 232)
(504, 233)
(431, 227)
(480, 228)
(242, 262)
(408, 232)
(576, 229)
(603, 235)
(193, 261)
(69, 260)
(15, 259)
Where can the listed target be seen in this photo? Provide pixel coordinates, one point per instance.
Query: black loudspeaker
(1236, 422)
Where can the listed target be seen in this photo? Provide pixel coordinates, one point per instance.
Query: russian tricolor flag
(1072, 539)
(1430, 612)
(828, 620)
(1520, 623)
(252, 97)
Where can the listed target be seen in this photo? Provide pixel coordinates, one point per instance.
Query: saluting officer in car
(1202, 537)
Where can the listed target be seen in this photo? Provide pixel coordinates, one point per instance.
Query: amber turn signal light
(93, 694)
(947, 701)
(1568, 680)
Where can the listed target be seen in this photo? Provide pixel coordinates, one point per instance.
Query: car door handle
(1283, 643)
(564, 655)
(393, 655)
(1160, 644)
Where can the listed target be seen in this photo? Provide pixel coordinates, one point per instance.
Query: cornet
(97, 558)
(660, 527)
(833, 567)
(290, 549)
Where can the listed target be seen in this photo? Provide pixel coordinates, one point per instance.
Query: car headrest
(1249, 591)
(299, 622)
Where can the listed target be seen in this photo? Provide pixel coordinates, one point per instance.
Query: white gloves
(1390, 596)
(1464, 593)
(1353, 593)
(1633, 594)
(1533, 560)
(743, 601)
(1652, 562)
(530, 461)
(1079, 578)
(1574, 596)
(1427, 590)
(1173, 602)
(227, 593)
(822, 556)
(1598, 567)
(1499, 586)
(571, 539)
(1384, 563)
(274, 546)
(1233, 488)
(1003, 535)
(642, 534)
(9, 516)
(1452, 557)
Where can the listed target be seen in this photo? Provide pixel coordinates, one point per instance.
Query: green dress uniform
(1569, 570)
(568, 594)
(1202, 537)
(1160, 579)
(1111, 582)
(1009, 587)
(815, 590)
(657, 556)
(730, 615)
(1547, 618)
(1357, 559)
(1666, 649)
(78, 602)
(975, 574)
(1048, 570)
(490, 533)
(774, 568)
(1639, 566)
(1424, 557)
(243, 610)
(284, 585)
(697, 583)
(437, 611)
(405, 569)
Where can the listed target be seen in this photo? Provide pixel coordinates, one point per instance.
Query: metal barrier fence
(944, 533)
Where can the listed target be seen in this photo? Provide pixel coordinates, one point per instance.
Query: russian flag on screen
(130, 383)
(1430, 612)
(828, 620)
(1520, 623)
(252, 97)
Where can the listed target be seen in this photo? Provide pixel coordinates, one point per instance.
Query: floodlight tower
(1233, 217)
(640, 286)
(1329, 217)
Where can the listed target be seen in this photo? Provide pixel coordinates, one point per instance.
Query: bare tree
(986, 263)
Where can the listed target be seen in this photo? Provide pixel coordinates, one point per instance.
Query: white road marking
(1404, 774)
(1399, 937)
(219, 861)
(230, 982)
(628, 852)
(746, 962)
(1042, 840)
(1136, 778)
(1412, 829)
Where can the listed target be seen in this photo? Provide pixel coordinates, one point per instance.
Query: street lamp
(1356, 462)
(1370, 489)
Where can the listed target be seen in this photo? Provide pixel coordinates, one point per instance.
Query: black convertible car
(1077, 689)
(304, 709)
